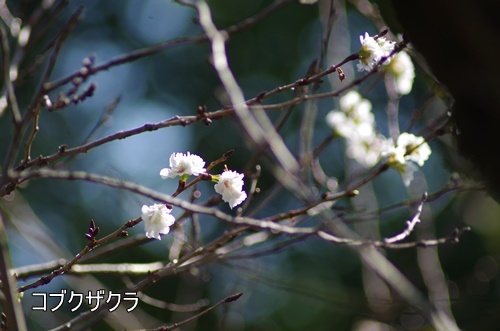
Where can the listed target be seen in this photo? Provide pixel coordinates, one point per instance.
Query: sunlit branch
(116, 269)
(410, 224)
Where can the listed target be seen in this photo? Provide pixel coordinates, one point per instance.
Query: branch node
(233, 297)
(341, 74)
(260, 97)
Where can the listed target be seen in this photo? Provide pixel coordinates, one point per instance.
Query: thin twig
(26, 38)
(39, 31)
(220, 160)
(91, 245)
(6, 183)
(229, 299)
(410, 224)
(366, 215)
(307, 126)
(81, 269)
(147, 51)
(115, 247)
(204, 255)
(252, 191)
(35, 107)
(196, 258)
(269, 251)
(66, 30)
(251, 124)
(269, 223)
(11, 95)
(182, 121)
(34, 270)
(12, 306)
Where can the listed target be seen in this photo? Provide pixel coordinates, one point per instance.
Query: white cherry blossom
(352, 101)
(183, 165)
(356, 123)
(157, 220)
(403, 71)
(372, 50)
(355, 114)
(343, 125)
(367, 151)
(409, 151)
(416, 149)
(407, 172)
(369, 53)
(230, 186)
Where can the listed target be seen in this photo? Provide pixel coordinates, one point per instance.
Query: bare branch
(116, 269)
(68, 265)
(12, 304)
(228, 299)
(147, 51)
(11, 94)
(410, 224)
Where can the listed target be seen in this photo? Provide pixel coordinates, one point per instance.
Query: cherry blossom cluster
(158, 219)
(356, 124)
(408, 152)
(373, 50)
(402, 70)
(399, 66)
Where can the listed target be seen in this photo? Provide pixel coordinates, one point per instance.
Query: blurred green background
(310, 285)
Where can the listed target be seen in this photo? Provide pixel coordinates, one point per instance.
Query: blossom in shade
(230, 186)
(367, 150)
(356, 123)
(372, 50)
(354, 104)
(354, 118)
(407, 172)
(402, 70)
(409, 151)
(157, 219)
(183, 165)
(409, 148)
(416, 149)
